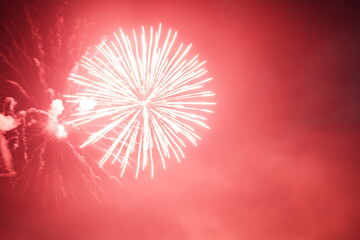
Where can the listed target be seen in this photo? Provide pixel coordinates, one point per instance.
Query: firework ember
(145, 93)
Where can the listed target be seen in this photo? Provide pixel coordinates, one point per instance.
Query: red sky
(281, 160)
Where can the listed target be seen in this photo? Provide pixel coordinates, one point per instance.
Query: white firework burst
(145, 93)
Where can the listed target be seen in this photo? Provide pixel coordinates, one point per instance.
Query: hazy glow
(147, 93)
(86, 104)
(56, 107)
(60, 131)
(7, 123)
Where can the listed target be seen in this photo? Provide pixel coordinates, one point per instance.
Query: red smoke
(281, 160)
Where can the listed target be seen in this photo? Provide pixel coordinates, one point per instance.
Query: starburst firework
(144, 93)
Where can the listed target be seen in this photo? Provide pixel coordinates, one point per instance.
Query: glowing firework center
(147, 93)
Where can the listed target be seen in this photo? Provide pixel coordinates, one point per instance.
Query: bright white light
(56, 107)
(60, 131)
(86, 104)
(148, 96)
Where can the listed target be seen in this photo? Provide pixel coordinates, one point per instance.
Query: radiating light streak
(146, 93)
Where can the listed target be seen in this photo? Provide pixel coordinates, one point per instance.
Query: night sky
(281, 160)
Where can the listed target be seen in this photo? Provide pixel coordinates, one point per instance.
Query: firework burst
(145, 93)
(38, 157)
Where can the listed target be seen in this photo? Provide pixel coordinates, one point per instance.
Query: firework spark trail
(148, 91)
(56, 174)
(38, 58)
(48, 166)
